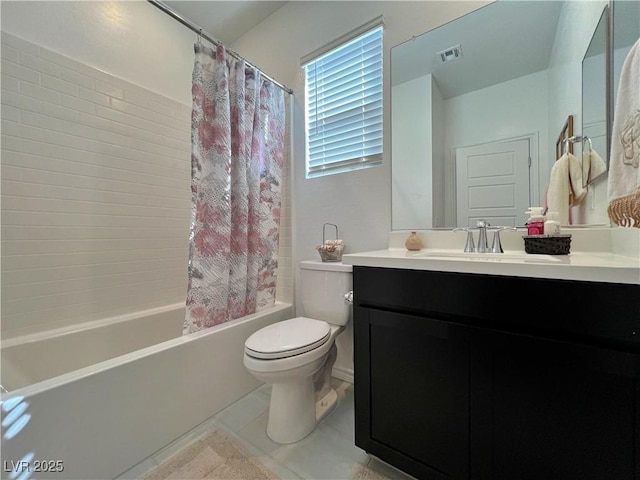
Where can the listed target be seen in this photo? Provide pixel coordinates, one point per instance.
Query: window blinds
(343, 106)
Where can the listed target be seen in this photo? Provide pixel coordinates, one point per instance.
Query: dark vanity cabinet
(464, 376)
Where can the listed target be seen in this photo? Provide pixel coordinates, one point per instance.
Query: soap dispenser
(535, 224)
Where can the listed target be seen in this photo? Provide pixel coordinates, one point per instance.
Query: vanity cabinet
(465, 376)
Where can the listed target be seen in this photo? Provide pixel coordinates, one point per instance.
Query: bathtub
(97, 420)
(32, 358)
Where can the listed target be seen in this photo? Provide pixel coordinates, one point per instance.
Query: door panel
(492, 182)
(420, 390)
(546, 409)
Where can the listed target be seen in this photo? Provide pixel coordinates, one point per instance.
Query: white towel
(565, 186)
(624, 174)
(593, 165)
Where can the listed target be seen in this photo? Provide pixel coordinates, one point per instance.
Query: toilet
(296, 356)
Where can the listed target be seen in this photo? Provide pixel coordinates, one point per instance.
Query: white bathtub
(32, 358)
(100, 420)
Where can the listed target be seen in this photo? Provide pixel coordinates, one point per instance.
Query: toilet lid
(287, 338)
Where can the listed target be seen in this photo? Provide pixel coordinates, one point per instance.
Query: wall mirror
(596, 121)
(477, 105)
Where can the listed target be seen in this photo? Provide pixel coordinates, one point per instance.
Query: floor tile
(255, 433)
(324, 454)
(328, 453)
(387, 470)
(138, 470)
(237, 415)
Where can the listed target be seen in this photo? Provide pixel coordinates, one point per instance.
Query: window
(343, 104)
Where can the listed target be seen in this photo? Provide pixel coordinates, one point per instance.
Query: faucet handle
(496, 246)
(470, 245)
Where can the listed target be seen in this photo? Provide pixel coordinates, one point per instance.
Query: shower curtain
(237, 137)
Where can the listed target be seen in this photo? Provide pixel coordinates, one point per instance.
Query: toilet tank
(323, 286)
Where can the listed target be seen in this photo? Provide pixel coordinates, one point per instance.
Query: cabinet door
(545, 409)
(412, 392)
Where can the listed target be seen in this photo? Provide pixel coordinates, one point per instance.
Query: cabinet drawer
(585, 311)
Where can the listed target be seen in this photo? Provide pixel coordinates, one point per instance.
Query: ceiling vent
(450, 54)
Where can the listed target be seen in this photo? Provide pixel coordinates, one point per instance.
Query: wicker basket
(330, 250)
(331, 253)
(547, 244)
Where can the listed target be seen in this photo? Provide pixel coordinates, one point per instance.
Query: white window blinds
(343, 106)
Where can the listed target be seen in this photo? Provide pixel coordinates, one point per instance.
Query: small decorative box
(547, 244)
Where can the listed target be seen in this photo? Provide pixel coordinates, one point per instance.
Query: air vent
(450, 54)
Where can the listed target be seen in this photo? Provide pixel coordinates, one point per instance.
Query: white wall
(132, 40)
(95, 193)
(411, 122)
(418, 187)
(96, 100)
(359, 202)
(438, 128)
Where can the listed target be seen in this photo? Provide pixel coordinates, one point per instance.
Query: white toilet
(296, 356)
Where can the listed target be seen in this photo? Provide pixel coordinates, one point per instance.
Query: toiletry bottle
(535, 224)
(551, 224)
(413, 242)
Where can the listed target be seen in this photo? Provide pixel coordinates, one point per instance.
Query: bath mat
(361, 472)
(215, 456)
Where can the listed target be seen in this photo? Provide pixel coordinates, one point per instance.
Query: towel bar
(574, 139)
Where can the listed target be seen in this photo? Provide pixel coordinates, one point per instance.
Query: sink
(486, 257)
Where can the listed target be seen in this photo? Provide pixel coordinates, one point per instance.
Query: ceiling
(224, 20)
(500, 41)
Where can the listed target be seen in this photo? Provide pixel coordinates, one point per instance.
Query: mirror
(477, 105)
(596, 122)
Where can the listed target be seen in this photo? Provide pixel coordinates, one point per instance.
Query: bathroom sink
(487, 257)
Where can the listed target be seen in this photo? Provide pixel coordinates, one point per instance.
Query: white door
(492, 182)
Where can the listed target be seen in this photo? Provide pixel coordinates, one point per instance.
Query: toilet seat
(287, 338)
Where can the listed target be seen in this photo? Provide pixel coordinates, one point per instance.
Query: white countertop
(594, 265)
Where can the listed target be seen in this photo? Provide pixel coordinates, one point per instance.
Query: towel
(593, 166)
(624, 172)
(565, 186)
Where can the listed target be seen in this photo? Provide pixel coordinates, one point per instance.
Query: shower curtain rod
(172, 13)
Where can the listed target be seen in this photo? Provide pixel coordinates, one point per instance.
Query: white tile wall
(284, 287)
(95, 194)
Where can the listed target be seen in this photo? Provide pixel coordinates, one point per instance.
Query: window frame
(367, 89)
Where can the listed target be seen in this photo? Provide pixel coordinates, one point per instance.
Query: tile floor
(328, 453)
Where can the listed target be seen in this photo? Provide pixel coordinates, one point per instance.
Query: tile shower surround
(95, 194)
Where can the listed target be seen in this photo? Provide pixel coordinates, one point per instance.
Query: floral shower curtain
(237, 137)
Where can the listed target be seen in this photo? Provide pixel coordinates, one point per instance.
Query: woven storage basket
(547, 244)
(330, 250)
(330, 253)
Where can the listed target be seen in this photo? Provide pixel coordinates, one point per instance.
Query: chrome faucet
(482, 225)
(496, 246)
(470, 245)
(482, 237)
